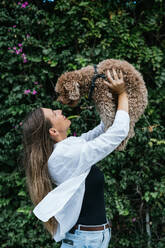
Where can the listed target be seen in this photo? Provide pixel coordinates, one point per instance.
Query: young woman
(74, 211)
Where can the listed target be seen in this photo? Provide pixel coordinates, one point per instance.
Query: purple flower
(74, 134)
(20, 44)
(9, 48)
(134, 219)
(19, 51)
(28, 36)
(34, 92)
(26, 92)
(19, 3)
(35, 82)
(25, 60)
(14, 48)
(23, 55)
(14, 26)
(23, 5)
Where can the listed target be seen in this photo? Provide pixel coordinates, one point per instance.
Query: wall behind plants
(38, 43)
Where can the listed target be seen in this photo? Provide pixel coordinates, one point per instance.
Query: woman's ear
(53, 133)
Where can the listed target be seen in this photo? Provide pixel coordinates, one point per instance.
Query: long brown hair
(38, 146)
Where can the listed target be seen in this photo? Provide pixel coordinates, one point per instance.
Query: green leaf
(53, 64)
(35, 59)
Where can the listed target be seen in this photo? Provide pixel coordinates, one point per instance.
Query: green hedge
(38, 43)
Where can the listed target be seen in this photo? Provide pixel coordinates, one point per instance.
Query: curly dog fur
(71, 86)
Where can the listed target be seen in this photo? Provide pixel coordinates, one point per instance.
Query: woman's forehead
(47, 112)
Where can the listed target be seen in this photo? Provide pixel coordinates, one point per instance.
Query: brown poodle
(71, 86)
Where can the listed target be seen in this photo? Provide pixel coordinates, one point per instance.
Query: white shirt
(69, 165)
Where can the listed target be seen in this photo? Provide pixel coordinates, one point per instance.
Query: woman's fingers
(109, 76)
(108, 84)
(115, 74)
(117, 79)
(117, 84)
(121, 75)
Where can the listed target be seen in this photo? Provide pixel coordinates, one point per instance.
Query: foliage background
(39, 41)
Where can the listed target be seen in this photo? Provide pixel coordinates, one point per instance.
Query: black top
(93, 206)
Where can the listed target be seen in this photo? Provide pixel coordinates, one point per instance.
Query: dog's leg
(106, 106)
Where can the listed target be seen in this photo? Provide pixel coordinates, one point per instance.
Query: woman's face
(58, 120)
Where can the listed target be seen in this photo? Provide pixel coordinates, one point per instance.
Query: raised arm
(95, 132)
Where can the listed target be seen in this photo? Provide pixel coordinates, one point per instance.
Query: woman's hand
(117, 85)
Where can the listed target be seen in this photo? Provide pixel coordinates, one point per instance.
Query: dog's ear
(73, 89)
